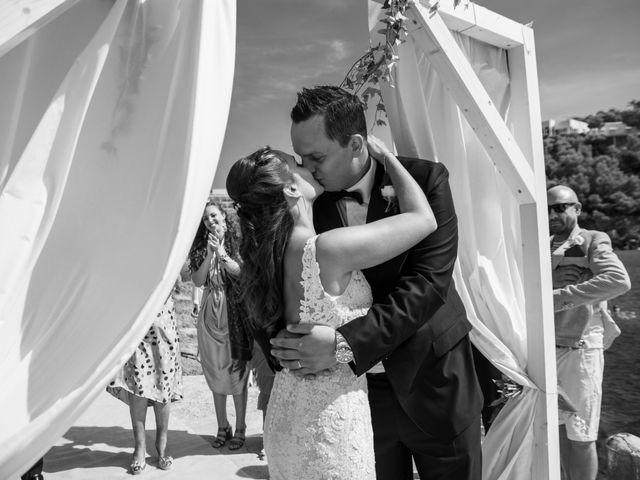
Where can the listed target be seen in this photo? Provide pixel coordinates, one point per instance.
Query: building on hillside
(615, 129)
(571, 126)
(563, 127)
(619, 132)
(220, 195)
(548, 127)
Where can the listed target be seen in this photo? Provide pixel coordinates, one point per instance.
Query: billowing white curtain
(112, 117)
(426, 122)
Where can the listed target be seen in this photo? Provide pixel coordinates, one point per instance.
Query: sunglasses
(559, 207)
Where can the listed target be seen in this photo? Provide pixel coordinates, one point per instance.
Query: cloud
(336, 4)
(276, 73)
(335, 51)
(339, 50)
(283, 45)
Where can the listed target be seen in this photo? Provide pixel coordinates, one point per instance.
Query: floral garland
(378, 62)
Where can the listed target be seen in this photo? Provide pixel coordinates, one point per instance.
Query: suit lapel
(377, 204)
(559, 253)
(378, 275)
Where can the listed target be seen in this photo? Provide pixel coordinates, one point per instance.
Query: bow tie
(335, 196)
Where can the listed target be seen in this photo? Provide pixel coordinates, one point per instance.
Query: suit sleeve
(262, 338)
(609, 279)
(419, 292)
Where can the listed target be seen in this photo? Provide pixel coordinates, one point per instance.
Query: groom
(413, 345)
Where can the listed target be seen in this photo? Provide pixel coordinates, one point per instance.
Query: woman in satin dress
(224, 346)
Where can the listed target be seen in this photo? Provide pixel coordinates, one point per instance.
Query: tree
(630, 162)
(605, 178)
(631, 116)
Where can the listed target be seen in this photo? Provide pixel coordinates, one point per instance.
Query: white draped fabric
(426, 122)
(112, 117)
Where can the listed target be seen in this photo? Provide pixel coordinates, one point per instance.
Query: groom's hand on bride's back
(305, 348)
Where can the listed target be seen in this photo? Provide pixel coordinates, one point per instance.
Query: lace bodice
(318, 306)
(320, 427)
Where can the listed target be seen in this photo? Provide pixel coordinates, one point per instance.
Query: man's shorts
(580, 375)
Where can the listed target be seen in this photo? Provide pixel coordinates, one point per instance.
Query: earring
(291, 190)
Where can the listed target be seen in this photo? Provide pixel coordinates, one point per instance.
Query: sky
(587, 51)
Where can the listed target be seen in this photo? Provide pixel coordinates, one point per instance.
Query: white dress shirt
(353, 213)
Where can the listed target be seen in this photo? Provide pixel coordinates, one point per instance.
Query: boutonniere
(577, 240)
(574, 247)
(389, 194)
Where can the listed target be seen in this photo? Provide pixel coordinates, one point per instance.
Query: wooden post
(518, 156)
(524, 115)
(20, 18)
(480, 23)
(458, 76)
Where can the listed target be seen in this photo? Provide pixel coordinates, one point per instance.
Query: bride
(317, 427)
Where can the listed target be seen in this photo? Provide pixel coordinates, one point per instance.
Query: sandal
(223, 435)
(165, 463)
(137, 467)
(238, 439)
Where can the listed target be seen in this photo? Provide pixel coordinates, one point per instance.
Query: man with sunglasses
(586, 273)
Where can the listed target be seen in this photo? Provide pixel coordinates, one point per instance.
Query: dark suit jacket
(417, 317)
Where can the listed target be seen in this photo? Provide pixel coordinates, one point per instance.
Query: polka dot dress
(154, 371)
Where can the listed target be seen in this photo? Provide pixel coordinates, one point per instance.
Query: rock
(623, 457)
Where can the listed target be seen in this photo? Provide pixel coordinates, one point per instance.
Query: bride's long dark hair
(256, 184)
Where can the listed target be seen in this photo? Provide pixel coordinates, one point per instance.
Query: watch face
(344, 355)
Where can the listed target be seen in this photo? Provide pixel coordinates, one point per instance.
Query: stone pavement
(99, 445)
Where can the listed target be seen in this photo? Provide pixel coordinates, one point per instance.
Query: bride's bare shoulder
(297, 241)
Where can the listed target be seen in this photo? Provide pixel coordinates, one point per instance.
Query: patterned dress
(320, 427)
(154, 370)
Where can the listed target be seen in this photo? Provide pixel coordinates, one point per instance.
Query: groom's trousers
(398, 441)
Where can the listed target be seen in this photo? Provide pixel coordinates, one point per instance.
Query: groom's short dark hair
(343, 112)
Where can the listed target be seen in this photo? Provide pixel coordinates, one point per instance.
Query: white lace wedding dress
(320, 427)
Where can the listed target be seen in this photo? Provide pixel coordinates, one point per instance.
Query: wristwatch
(343, 350)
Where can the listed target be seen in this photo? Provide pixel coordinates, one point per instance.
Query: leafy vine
(378, 62)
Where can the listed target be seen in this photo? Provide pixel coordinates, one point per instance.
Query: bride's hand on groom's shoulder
(377, 149)
(305, 348)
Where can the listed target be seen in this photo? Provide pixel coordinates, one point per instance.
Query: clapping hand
(213, 243)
